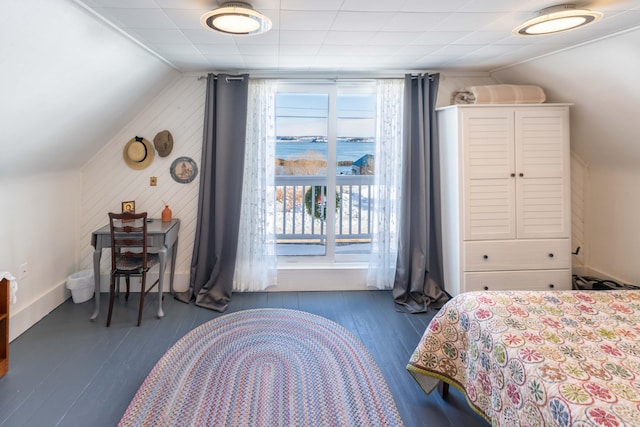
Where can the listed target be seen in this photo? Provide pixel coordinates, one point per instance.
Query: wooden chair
(129, 255)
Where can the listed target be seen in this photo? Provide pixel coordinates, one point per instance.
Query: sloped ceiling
(601, 80)
(67, 80)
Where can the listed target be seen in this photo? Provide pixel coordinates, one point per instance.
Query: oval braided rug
(265, 367)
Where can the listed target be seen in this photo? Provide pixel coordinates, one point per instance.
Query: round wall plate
(184, 170)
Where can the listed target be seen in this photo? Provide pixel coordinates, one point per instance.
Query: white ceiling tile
(355, 21)
(217, 49)
(391, 38)
(432, 6)
(311, 5)
(439, 37)
(299, 49)
(257, 50)
(139, 18)
(466, 21)
(186, 18)
(349, 37)
(371, 5)
(302, 37)
(484, 6)
(208, 36)
(288, 61)
(482, 37)
(302, 20)
(417, 50)
(122, 4)
(355, 50)
(185, 4)
(406, 21)
(270, 38)
(456, 50)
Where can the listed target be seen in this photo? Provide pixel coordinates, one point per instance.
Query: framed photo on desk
(129, 207)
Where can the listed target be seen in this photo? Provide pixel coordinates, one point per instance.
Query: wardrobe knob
(551, 286)
(485, 256)
(512, 175)
(551, 255)
(486, 288)
(521, 174)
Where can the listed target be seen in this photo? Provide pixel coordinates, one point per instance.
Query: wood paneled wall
(107, 180)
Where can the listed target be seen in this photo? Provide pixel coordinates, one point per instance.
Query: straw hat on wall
(138, 153)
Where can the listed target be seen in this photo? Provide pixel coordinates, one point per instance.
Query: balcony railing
(295, 224)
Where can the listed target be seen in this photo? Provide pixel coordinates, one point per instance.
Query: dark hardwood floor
(69, 371)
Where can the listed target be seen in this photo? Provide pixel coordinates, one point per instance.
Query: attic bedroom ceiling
(356, 35)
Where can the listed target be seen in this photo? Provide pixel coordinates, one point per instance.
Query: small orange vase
(166, 214)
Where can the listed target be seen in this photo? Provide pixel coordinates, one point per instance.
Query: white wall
(39, 220)
(600, 78)
(107, 180)
(613, 224)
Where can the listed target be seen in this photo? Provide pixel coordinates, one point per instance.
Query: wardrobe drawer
(539, 280)
(517, 255)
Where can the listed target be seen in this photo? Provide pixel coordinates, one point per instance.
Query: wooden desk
(163, 238)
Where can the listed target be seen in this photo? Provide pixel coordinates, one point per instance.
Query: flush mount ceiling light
(557, 18)
(236, 18)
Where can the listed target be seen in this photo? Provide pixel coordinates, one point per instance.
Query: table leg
(174, 251)
(97, 254)
(162, 255)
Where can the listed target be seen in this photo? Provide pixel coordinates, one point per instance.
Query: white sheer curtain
(256, 262)
(386, 190)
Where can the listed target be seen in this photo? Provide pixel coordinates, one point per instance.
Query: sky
(300, 114)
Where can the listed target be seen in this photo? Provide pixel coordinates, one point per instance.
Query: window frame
(333, 88)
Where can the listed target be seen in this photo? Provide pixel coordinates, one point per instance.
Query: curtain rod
(228, 78)
(325, 77)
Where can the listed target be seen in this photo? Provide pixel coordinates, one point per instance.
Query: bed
(556, 358)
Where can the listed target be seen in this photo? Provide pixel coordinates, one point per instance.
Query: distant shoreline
(322, 139)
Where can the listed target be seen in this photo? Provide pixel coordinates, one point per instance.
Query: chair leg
(112, 290)
(126, 296)
(143, 282)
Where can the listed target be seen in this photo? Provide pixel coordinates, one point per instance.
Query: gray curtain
(419, 279)
(221, 168)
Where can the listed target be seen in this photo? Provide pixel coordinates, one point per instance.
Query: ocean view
(347, 150)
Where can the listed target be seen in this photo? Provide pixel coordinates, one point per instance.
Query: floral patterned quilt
(557, 358)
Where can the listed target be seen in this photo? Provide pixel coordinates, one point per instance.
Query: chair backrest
(128, 238)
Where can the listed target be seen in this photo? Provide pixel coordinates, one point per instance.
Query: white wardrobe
(506, 221)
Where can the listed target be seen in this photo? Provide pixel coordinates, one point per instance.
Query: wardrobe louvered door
(542, 163)
(489, 157)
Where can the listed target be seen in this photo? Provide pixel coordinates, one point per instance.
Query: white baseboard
(289, 279)
(320, 279)
(28, 316)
